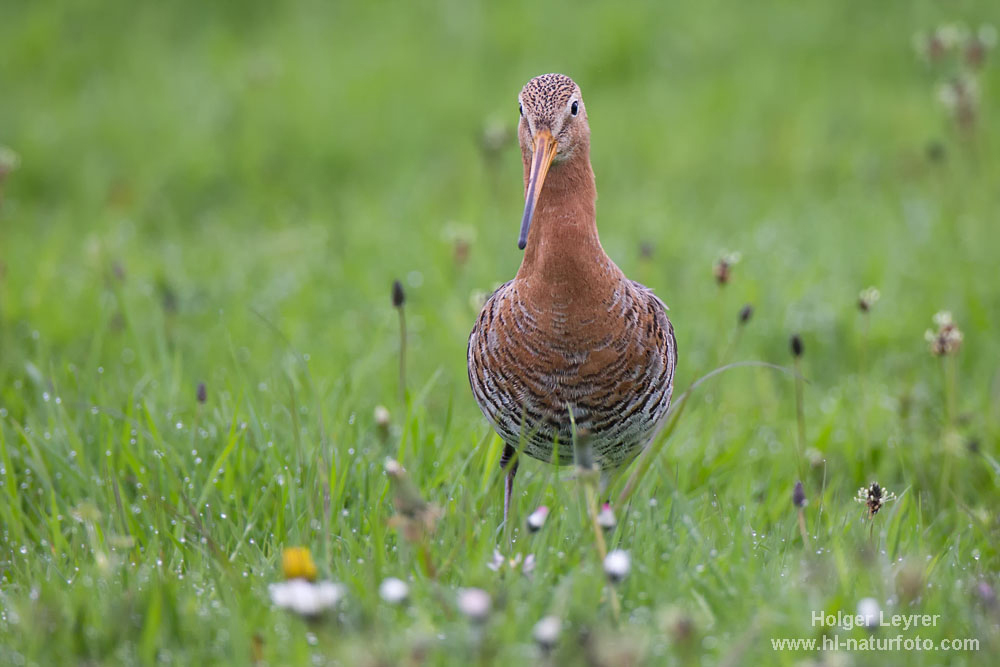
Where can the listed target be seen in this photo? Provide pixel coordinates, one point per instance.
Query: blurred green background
(297, 160)
(224, 192)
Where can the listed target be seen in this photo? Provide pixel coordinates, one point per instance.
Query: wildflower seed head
(297, 563)
(814, 457)
(497, 134)
(202, 393)
(460, 251)
(869, 611)
(678, 624)
(415, 515)
(477, 299)
(398, 295)
(951, 35)
(799, 495)
(86, 512)
(519, 563)
(393, 590)
(796, 345)
(873, 497)
(382, 416)
(975, 53)
(546, 632)
(960, 96)
(722, 270)
(979, 45)
(606, 517)
(304, 597)
(475, 603)
(948, 337)
(746, 312)
(537, 518)
(868, 298)
(394, 469)
(617, 565)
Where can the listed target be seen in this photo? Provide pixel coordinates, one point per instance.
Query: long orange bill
(541, 160)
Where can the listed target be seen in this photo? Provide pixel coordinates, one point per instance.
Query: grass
(225, 195)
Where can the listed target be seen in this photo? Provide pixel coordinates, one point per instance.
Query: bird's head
(553, 126)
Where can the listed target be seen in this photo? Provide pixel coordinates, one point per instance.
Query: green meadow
(203, 207)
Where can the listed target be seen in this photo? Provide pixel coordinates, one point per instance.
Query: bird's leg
(508, 465)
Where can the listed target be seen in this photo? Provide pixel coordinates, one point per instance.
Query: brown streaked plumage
(570, 333)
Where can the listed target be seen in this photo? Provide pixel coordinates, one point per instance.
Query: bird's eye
(520, 109)
(574, 108)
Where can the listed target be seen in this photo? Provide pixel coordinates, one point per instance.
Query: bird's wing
(661, 331)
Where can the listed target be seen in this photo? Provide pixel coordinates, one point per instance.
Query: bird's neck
(563, 248)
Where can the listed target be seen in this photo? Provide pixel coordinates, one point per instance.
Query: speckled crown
(547, 95)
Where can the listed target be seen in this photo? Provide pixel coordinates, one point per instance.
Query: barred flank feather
(614, 367)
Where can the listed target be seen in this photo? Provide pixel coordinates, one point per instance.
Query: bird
(570, 345)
